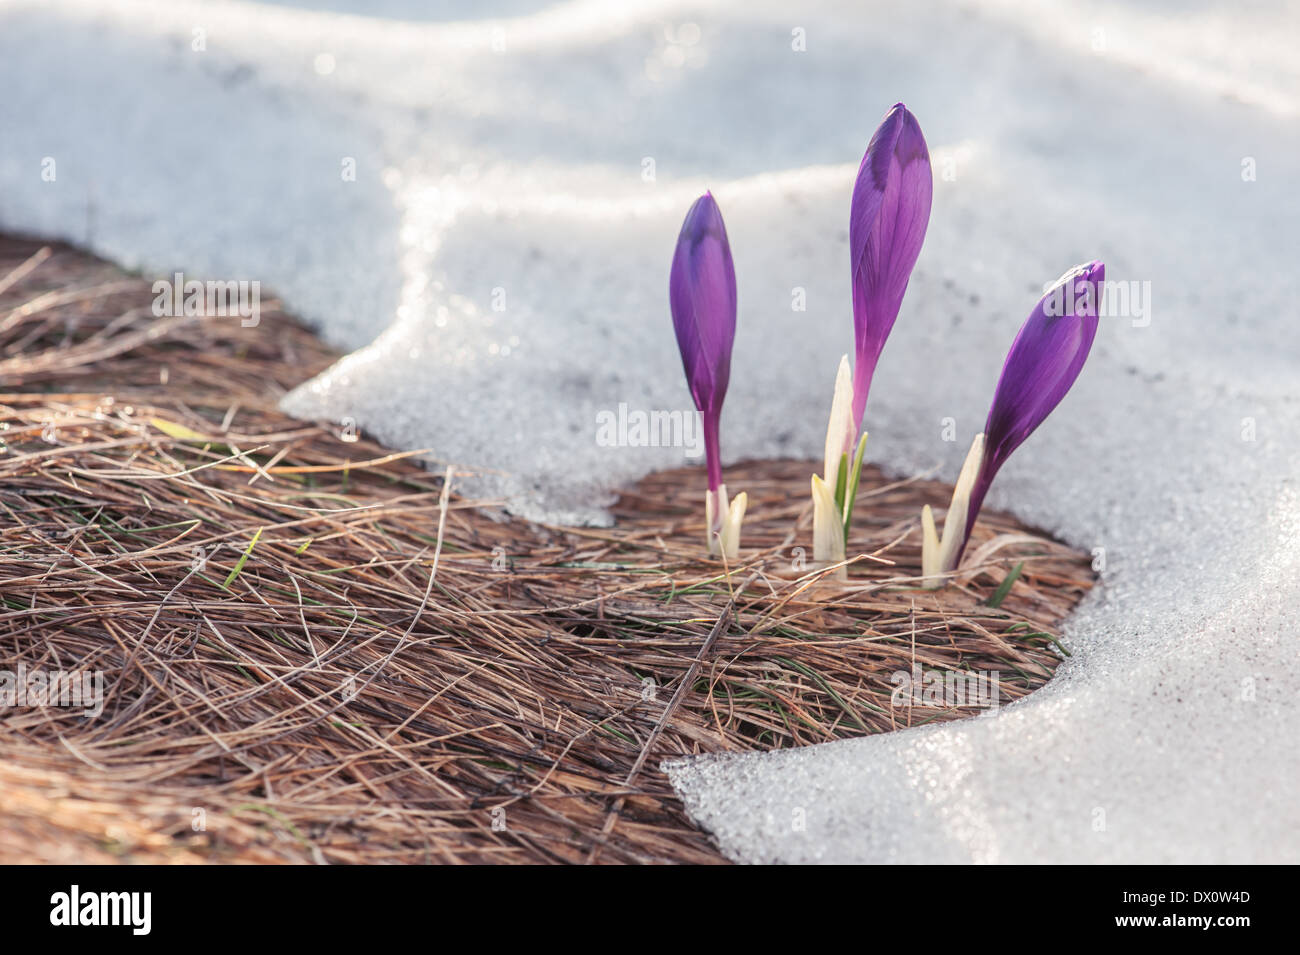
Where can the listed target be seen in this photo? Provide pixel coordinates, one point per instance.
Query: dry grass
(283, 664)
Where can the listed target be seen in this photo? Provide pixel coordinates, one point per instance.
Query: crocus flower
(1044, 361)
(702, 295)
(887, 222)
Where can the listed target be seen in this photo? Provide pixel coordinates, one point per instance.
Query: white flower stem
(724, 521)
(939, 554)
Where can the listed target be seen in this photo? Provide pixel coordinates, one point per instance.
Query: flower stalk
(702, 297)
(833, 493)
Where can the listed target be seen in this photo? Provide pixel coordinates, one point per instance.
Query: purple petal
(1043, 363)
(891, 209)
(702, 294)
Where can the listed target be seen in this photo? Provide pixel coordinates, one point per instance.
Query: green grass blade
(841, 481)
(243, 559)
(1004, 588)
(852, 492)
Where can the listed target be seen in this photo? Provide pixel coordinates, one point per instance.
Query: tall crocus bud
(702, 295)
(1044, 361)
(887, 222)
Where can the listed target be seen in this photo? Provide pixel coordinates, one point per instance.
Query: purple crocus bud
(890, 211)
(1043, 363)
(702, 295)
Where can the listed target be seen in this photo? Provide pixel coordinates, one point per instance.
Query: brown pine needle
(327, 468)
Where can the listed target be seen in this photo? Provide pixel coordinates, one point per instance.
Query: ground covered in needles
(315, 650)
